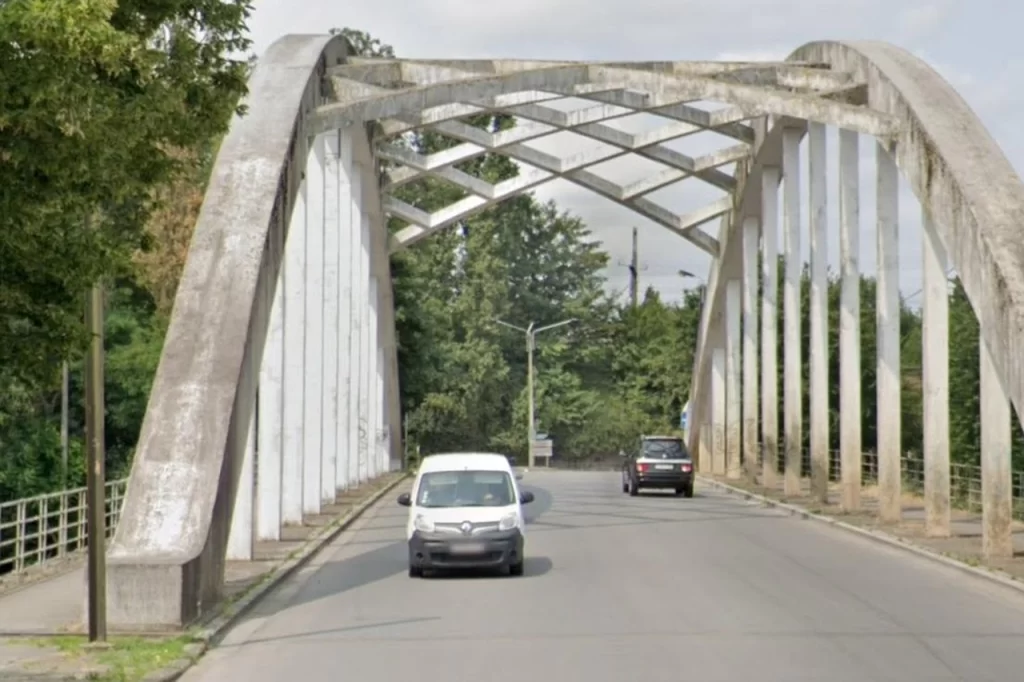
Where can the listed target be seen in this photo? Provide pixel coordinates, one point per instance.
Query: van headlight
(508, 522)
(423, 524)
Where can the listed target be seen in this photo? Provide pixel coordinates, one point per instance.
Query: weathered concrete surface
(617, 588)
(957, 170)
(166, 561)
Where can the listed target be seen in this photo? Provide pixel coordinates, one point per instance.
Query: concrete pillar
(364, 346)
(996, 452)
(240, 538)
(888, 314)
(330, 306)
(792, 363)
(733, 359)
(373, 386)
(818, 351)
(357, 298)
(751, 236)
(718, 399)
(706, 443)
(769, 325)
(850, 467)
(348, 221)
(294, 335)
(383, 440)
(313, 400)
(935, 381)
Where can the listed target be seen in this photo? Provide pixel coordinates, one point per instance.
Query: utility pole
(633, 266)
(95, 436)
(531, 344)
(65, 396)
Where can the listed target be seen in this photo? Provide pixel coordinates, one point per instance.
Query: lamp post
(531, 338)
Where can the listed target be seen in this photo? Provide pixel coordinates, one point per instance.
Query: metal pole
(633, 265)
(531, 436)
(95, 474)
(65, 393)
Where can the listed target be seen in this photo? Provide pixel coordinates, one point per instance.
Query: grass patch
(128, 659)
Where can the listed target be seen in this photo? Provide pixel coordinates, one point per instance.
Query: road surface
(651, 588)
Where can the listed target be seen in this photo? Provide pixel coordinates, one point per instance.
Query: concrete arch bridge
(278, 384)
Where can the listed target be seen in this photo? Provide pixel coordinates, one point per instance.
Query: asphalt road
(652, 588)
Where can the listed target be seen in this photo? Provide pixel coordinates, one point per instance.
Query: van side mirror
(405, 500)
(525, 497)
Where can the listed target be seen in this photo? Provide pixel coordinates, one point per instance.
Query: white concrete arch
(973, 204)
(292, 238)
(256, 264)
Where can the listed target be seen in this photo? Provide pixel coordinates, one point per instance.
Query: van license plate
(664, 466)
(468, 548)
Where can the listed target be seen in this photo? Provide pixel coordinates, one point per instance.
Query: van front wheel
(415, 571)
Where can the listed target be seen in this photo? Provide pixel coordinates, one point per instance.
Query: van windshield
(465, 489)
(664, 448)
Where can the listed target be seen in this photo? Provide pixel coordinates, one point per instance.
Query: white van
(465, 510)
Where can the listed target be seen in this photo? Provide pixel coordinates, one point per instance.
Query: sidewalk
(55, 606)
(964, 543)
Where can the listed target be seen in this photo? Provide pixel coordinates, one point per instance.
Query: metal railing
(44, 528)
(964, 479)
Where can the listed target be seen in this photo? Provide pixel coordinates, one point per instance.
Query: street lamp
(531, 337)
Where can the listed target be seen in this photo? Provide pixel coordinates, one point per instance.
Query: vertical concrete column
(769, 325)
(348, 224)
(240, 537)
(357, 302)
(890, 508)
(373, 387)
(365, 363)
(751, 237)
(819, 394)
(792, 363)
(996, 453)
(331, 304)
(294, 334)
(384, 424)
(850, 467)
(269, 424)
(705, 440)
(935, 381)
(313, 399)
(733, 359)
(718, 399)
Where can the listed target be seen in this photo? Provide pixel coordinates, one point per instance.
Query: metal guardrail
(36, 530)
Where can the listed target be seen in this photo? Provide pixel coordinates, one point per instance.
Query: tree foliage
(95, 96)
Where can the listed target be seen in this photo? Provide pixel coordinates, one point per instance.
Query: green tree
(93, 96)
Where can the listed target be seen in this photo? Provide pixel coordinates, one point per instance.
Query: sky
(975, 46)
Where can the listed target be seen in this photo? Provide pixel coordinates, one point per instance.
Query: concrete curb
(217, 626)
(992, 575)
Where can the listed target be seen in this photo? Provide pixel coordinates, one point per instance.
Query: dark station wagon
(661, 462)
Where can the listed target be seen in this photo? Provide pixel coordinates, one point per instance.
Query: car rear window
(664, 448)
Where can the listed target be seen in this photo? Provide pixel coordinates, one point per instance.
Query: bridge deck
(627, 588)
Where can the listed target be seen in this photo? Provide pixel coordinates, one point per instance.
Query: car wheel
(688, 491)
(680, 491)
(415, 571)
(634, 489)
(625, 485)
(516, 569)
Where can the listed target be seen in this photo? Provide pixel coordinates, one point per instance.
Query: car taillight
(684, 467)
(641, 468)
